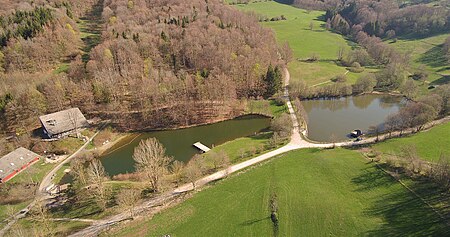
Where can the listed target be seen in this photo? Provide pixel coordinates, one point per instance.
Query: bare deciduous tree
(128, 198)
(73, 117)
(176, 168)
(97, 187)
(376, 130)
(194, 169)
(441, 171)
(42, 225)
(152, 161)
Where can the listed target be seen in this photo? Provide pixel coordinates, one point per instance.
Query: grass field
(320, 193)
(429, 144)
(304, 42)
(245, 148)
(427, 52)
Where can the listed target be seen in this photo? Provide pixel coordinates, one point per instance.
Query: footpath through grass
(304, 41)
(429, 144)
(320, 193)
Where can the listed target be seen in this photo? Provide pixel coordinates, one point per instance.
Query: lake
(338, 117)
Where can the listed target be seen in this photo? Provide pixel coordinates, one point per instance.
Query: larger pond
(179, 143)
(328, 118)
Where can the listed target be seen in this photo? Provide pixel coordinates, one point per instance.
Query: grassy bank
(320, 193)
(429, 144)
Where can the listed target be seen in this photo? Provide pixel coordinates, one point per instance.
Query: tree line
(385, 18)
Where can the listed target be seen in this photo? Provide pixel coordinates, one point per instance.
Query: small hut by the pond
(356, 133)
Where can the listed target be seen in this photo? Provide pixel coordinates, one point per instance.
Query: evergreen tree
(273, 81)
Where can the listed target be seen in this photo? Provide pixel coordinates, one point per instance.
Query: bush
(356, 65)
(340, 78)
(313, 58)
(356, 68)
(365, 83)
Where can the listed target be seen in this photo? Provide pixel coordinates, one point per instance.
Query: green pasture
(319, 193)
(304, 41)
(429, 144)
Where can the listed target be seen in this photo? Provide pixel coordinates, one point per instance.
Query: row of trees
(156, 171)
(417, 113)
(364, 84)
(411, 163)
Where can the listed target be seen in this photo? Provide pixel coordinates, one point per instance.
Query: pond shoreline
(117, 155)
(105, 149)
(386, 93)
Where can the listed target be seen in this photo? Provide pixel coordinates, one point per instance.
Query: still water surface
(338, 117)
(178, 143)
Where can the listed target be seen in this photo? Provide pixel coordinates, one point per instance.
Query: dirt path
(329, 81)
(48, 179)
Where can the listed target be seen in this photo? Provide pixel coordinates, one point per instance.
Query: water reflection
(178, 143)
(338, 117)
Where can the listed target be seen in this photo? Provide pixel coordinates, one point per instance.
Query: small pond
(178, 143)
(338, 117)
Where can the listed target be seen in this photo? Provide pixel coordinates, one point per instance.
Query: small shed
(16, 161)
(356, 133)
(62, 123)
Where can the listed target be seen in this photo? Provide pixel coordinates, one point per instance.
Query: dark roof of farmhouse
(15, 160)
(63, 121)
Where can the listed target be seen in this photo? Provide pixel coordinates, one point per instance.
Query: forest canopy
(141, 63)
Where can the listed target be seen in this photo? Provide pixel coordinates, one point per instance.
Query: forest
(385, 18)
(165, 64)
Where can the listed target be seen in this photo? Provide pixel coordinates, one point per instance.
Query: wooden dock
(201, 147)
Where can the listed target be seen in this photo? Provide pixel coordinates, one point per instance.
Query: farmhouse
(16, 161)
(62, 123)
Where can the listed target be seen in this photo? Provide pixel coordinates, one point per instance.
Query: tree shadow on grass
(371, 180)
(287, 2)
(261, 136)
(70, 209)
(404, 214)
(92, 27)
(441, 81)
(434, 57)
(254, 221)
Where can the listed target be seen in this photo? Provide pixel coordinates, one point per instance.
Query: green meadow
(427, 52)
(304, 41)
(319, 193)
(429, 144)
